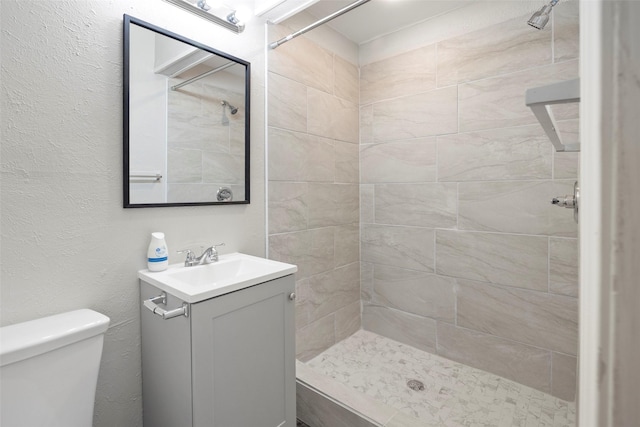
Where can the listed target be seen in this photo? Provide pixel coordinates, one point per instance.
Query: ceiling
(379, 17)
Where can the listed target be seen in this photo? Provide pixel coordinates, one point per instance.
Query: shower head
(539, 19)
(232, 109)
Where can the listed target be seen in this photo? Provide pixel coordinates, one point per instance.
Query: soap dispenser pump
(157, 259)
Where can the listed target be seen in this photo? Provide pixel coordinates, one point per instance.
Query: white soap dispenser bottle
(157, 254)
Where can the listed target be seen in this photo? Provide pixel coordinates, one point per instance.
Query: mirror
(186, 121)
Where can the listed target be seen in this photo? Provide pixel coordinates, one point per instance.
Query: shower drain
(415, 385)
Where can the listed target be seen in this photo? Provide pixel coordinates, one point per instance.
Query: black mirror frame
(128, 20)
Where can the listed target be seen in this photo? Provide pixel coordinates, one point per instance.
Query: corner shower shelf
(540, 98)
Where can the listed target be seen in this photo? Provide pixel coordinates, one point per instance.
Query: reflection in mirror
(186, 136)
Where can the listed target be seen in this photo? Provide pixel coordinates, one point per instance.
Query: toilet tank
(49, 370)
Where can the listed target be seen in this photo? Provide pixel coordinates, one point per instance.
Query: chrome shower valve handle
(571, 201)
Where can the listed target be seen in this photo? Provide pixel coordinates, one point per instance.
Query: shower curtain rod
(318, 23)
(202, 76)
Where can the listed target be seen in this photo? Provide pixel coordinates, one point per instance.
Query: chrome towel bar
(152, 305)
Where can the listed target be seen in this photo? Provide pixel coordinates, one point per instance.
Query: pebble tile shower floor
(454, 394)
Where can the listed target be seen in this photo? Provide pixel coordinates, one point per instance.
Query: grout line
(549, 264)
(439, 135)
(437, 143)
(551, 371)
(436, 47)
(435, 251)
(553, 36)
(455, 302)
(457, 206)
(466, 82)
(452, 230)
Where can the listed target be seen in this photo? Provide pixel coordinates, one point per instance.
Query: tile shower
(413, 192)
(197, 164)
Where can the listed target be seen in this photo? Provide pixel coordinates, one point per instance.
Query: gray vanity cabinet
(231, 363)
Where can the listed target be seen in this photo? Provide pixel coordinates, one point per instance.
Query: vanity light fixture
(233, 18)
(203, 10)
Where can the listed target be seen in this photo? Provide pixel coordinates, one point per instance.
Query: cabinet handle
(152, 305)
(292, 296)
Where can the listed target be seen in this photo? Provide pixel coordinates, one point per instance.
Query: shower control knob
(564, 201)
(571, 201)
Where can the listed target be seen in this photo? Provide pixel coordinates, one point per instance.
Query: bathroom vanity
(218, 344)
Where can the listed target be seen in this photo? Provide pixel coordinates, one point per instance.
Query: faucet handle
(214, 248)
(213, 255)
(190, 255)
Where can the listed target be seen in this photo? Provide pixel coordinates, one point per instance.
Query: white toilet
(49, 370)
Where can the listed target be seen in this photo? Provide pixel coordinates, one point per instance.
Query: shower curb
(322, 401)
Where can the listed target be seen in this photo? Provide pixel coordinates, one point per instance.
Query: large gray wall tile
(563, 267)
(184, 166)
(311, 250)
(566, 165)
(347, 80)
(564, 376)
(302, 305)
(405, 74)
(399, 161)
(287, 103)
(535, 318)
(313, 152)
(315, 338)
(415, 292)
(303, 61)
(516, 207)
(348, 320)
(288, 209)
(502, 48)
(347, 244)
(366, 124)
(566, 31)
(528, 365)
(423, 205)
(221, 167)
(414, 116)
(325, 293)
(506, 259)
(366, 281)
(511, 153)
(333, 204)
(403, 247)
(417, 331)
(332, 117)
(499, 102)
(367, 203)
(295, 156)
(347, 167)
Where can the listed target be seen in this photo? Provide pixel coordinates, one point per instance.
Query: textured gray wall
(67, 243)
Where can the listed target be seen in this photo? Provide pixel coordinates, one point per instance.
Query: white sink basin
(231, 273)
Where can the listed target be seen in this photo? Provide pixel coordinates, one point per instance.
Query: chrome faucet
(208, 256)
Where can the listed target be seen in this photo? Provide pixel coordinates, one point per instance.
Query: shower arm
(318, 23)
